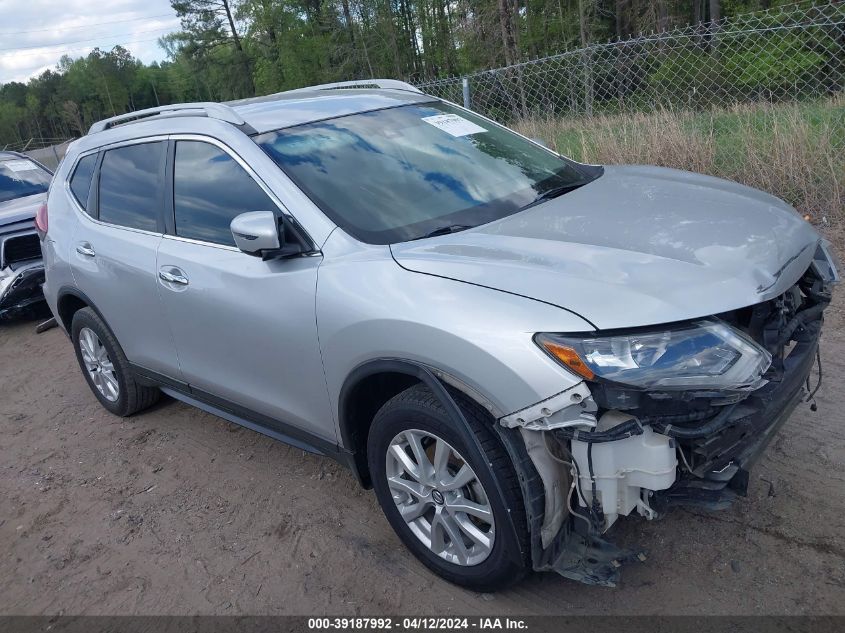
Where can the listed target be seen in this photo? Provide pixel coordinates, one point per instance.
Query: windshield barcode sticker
(453, 124)
(19, 165)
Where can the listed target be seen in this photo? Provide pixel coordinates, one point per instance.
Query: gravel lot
(175, 511)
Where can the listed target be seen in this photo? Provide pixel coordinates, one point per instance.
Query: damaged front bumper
(717, 467)
(687, 449)
(20, 286)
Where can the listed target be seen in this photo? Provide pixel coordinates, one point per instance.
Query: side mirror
(257, 233)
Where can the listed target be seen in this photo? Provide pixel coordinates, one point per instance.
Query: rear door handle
(85, 249)
(172, 278)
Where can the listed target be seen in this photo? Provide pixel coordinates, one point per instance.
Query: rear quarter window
(80, 181)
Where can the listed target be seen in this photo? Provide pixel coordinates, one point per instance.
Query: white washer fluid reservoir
(623, 469)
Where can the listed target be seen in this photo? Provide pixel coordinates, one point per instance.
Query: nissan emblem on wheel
(514, 350)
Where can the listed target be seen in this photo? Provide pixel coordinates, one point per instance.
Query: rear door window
(80, 182)
(131, 185)
(210, 188)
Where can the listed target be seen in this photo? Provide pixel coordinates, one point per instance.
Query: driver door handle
(172, 278)
(85, 249)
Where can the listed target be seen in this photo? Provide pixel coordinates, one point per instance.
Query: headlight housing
(707, 354)
(825, 263)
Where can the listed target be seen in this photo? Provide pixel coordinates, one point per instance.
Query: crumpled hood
(20, 209)
(637, 246)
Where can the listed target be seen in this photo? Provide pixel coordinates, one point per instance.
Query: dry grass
(659, 138)
(796, 152)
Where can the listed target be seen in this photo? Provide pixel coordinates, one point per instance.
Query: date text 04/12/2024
(417, 623)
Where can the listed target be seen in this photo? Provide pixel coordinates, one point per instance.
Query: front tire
(450, 494)
(105, 367)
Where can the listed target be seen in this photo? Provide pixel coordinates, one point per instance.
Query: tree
(230, 49)
(209, 25)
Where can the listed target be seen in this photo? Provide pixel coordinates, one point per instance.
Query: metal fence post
(467, 98)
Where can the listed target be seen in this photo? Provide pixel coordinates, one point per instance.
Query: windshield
(402, 173)
(21, 177)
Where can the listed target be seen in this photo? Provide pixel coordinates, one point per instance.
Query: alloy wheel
(98, 364)
(440, 497)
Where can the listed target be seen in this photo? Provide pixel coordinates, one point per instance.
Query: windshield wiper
(546, 195)
(554, 192)
(445, 230)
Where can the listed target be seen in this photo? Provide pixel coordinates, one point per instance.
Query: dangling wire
(569, 504)
(592, 522)
(811, 397)
(684, 458)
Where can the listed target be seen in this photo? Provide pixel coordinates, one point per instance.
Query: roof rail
(386, 84)
(211, 110)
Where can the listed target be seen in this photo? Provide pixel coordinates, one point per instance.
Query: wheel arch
(355, 421)
(373, 383)
(70, 301)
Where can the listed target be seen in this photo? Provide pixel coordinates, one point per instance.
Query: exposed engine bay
(617, 449)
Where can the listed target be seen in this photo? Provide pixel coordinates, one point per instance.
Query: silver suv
(513, 349)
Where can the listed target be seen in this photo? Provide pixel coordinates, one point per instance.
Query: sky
(34, 34)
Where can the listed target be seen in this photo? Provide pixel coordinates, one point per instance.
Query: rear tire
(468, 526)
(105, 367)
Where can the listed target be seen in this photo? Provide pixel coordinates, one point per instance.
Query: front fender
(370, 308)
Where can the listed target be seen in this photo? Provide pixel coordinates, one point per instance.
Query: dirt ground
(175, 511)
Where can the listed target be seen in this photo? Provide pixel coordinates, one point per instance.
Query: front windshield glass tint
(398, 174)
(21, 177)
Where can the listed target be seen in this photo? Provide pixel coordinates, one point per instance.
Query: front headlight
(706, 354)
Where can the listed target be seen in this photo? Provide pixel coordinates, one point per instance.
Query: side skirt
(278, 430)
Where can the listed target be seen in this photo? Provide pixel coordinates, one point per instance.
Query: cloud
(36, 33)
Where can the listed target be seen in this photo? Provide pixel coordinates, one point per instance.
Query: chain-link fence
(48, 151)
(789, 53)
